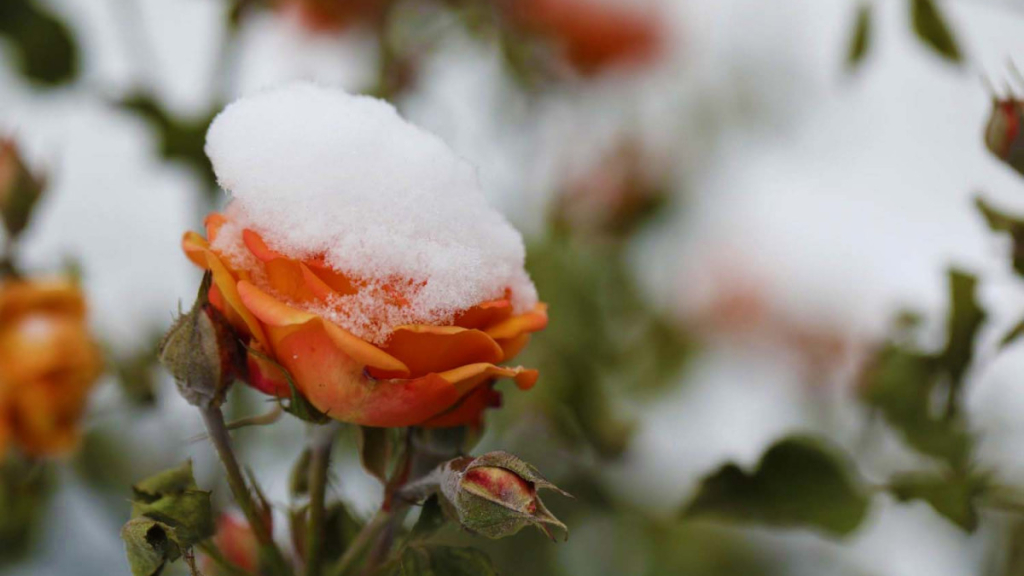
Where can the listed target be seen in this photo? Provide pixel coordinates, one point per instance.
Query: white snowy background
(849, 195)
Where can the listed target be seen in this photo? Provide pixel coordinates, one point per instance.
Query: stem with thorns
(320, 445)
(217, 429)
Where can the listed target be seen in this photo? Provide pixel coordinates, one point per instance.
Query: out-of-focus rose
(48, 364)
(237, 543)
(592, 35)
(433, 376)
(332, 15)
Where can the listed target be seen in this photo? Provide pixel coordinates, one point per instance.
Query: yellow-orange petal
(337, 281)
(531, 321)
(254, 242)
(465, 378)
(213, 223)
(485, 315)
(273, 312)
(425, 349)
(285, 277)
(316, 285)
(511, 347)
(58, 296)
(228, 288)
(195, 247)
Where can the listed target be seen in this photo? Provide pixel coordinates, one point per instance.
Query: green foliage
(375, 451)
(24, 488)
(180, 139)
(47, 52)
(605, 336)
(20, 194)
(169, 515)
(955, 498)
(431, 520)
(903, 382)
(439, 561)
(860, 39)
(931, 28)
(799, 482)
(999, 221)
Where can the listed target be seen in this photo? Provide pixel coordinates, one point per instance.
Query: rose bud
(237, 544)
(1004, 133)
(48, 364)
(203, 353)
(19, 188)
(359, 261)
(495, 495)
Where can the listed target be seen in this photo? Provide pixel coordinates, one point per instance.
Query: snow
(319, 172)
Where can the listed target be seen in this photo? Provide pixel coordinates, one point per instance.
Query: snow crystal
(319, 172)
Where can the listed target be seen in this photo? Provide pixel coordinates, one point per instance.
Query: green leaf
(800, 482)
(431, 520)
(901, 384)
(953, 498)
(169, 514)
(375, 451)
(860, 39)
(340, 529)
(964, 320)
(439, 561)
(25, 487)
(46, 50)
(999, 221)
(931, 27)
(149, 546)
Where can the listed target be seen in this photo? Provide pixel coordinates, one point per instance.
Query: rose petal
(60, 296)
(465, 378)
(254, 242)
(213, 223)
(228, 288)
(195, 247)
(531, 321)
(511, 347)
(483, 315)
(286, 277)
(337, 385)
(273, 312)
(425, 349)
(467, 412)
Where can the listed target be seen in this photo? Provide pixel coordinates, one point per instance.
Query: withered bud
(495, 495)
(203, 353)
(20, 189)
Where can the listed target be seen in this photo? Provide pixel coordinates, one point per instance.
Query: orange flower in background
(593, 35)
(435, 376)
(332, 15)
(48, 364)
(237, 543)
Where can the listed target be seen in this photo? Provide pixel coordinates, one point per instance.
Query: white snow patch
(317, 171)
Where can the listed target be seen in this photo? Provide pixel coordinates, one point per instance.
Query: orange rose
(422, 375)
(593, 36)
(48, 364)
(237, 544)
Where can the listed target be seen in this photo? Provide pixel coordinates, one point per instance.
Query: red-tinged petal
(465, 378)
(213, 224)
(531, 321)
(273, 312)
(425, 349)
(266, 377)
(469, 411)
(195, 247)
(254, 242)
(337, 385)
(285, 277)
(228, 288)
(483, 315)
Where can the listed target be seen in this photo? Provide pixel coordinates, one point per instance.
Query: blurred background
(728, 204)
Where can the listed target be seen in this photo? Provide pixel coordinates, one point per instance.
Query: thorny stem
(320, 445)
(216, 428)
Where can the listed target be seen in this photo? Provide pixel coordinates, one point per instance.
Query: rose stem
(360, 542)
(217, 429)
(321, 441)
